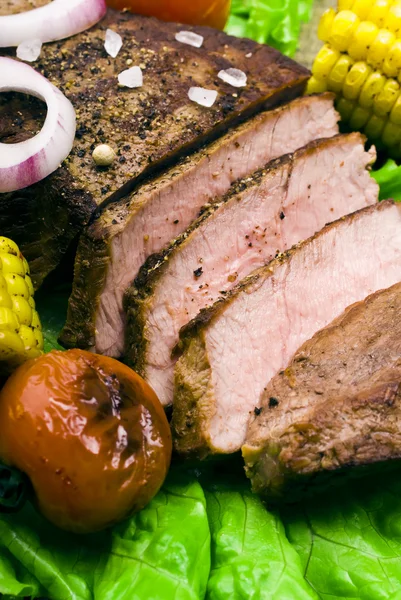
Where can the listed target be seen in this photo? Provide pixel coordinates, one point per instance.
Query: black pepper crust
(149, 127)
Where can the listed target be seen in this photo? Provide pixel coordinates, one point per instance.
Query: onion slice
(55, 21)
(30, 161)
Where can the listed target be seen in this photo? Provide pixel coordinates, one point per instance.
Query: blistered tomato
(90, 434)
(195, 12)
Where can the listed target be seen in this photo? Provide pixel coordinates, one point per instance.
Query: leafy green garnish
(389, 180)
(162, 553)
(350, 542)
(251, 556)
(274, 22)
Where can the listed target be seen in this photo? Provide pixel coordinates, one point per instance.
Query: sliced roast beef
(148, 127)
(116, 245)
(336, 406)
(260, 216)
(232, 350)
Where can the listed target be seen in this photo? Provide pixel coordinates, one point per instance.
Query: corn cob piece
(361, 63)
(20, 329)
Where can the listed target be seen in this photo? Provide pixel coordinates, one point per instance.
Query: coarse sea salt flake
(190, 38)
(233, 77)
(131, 78)
(113, 43)
(202, 96)
(29, 50)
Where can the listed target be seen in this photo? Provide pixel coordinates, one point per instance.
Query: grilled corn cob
(20, 329)
(361, 63)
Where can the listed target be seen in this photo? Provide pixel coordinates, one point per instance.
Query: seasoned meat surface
(156, 123)
(232, 350)
(13, 7)
(260, 216)
(119, 241)
(335, 407)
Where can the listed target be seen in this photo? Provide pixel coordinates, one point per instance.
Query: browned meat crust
(150, 126)
(336, 407)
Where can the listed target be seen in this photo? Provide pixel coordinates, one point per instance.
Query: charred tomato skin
(213, 13)
(90, 434)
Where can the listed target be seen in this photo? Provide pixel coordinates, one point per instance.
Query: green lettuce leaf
(38, 560)
(274, 22)
(389, 180)
(350, 541)
(161, 553)
(251, 556)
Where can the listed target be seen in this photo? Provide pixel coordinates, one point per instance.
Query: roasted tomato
(195, 12)
(90, 434)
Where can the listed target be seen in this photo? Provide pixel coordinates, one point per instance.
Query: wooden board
(309, 43)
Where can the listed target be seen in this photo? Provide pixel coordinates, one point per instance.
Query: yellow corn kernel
(8, 246)
(355, 80)
(316, 86)
(344, 25)
(345, 108)
(378, 12)
(393, 20)
(374, 127)
(362, 8)
(335, 80)
(385, 99)
(20, 329)
(33, 352)
(39, 338)
(26, 266)
(35, 320)
(364, 36)
(27, 336)
(11, 345)
(391, 135)
(22, 309)
(395, 114)
(17, 285)
(392, 63)
(28, 282)
(8, 320)
(11, 264)
(345, 4)
(324, 62)
(371, 88)
(359, 117)
(5, 299)
(380, 48)
(326, 24)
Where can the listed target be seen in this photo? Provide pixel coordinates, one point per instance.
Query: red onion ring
(55, 21)
(26, 163)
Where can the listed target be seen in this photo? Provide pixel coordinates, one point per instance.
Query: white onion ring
(30, 161)
(55, 21)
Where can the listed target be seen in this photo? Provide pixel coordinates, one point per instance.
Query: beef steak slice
(337, 405)
(149, 126)
(114, 247)
(260, 216)
(232, 350)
